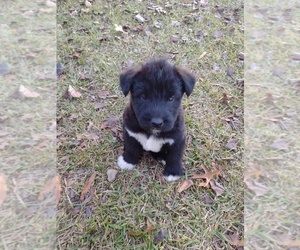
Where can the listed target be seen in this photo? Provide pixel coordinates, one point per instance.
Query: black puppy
(153, 120)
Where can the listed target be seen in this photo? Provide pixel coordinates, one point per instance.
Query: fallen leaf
(119, 28)
(184, 185)
(232, 144)
(258, 34)
(217, 187)
(110, 123)
(71, 93)
(133, 233)
(254, 171)
(216, 67)
(111, 174)
(4, 68)
(50, 3)
(207, 199)
(224, 98)
(87, 3)
(140, 19)
(52, 185)
(257, 188)
(218, 34)
(278, 72)
(174, 39)
(159, 236)
(87, 186)
(207, 176)
(149, 227)
(103, 93)
(3, 189)
(199, 34)
(230, 72)
(234, 240)
(296, 56)
(175, 24)
(23, 92)
(98, 105)
(280, 144)
(241, 56)
(203, 3)
(285, 240)
(161, 179)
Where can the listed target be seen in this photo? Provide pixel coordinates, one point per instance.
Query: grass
(28, 150)
(89, 45)
(270, 44)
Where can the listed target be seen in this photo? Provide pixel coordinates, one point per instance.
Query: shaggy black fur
(153, 120)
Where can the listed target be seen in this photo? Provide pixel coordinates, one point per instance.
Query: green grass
(123, 206)
(28, 149)
(276, 212)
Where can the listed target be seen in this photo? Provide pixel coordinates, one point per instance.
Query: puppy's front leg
(173, 168)
(133, 151)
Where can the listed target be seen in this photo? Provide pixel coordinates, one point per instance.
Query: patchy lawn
(272, 110)
(137, 210)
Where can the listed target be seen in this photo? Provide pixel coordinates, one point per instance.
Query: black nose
(157, 122)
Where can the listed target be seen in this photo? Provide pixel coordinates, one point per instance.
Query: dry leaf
(131, 233)
(119, 28)
(159, 236)
(4, 68)
(257, 188)
(234, 240)
(224, 98)
(232, 144)
(217, 187)
(50, 4)
(254, 171)
(3, 189)
(51, 186)
(285, 240)
(185, 185)
(87, 3)
(174, 39)
(110, 123)
(296, 56)
(140, 19)
(87, 186)
(71, 93)
(150, 227)
(111, 174)
(218, 34)
(26, 93)
(281, 144)
(207, 199)
(207, 176)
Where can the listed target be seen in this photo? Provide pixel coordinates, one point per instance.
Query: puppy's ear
(188, 80)
(126, 79)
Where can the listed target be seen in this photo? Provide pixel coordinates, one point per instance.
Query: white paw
(123, 164)
(162, 162)
(172, 177)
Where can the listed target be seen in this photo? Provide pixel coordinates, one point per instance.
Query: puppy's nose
(157, 122)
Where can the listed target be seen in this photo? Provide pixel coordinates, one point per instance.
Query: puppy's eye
(171, 99)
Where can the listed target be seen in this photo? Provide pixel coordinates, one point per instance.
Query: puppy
(153, 120)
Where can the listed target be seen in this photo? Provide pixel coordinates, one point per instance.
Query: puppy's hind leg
(133, 151)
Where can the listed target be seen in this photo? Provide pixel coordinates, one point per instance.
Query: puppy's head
(156, 90)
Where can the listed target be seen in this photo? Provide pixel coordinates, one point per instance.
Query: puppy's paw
(123, 164)
(172, 177)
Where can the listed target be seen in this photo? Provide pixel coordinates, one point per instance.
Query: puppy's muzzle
(157, 123)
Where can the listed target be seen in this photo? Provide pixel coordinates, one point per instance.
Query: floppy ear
(126, 79)
(188, 80)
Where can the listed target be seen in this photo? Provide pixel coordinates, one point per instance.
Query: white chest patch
(152, 143)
